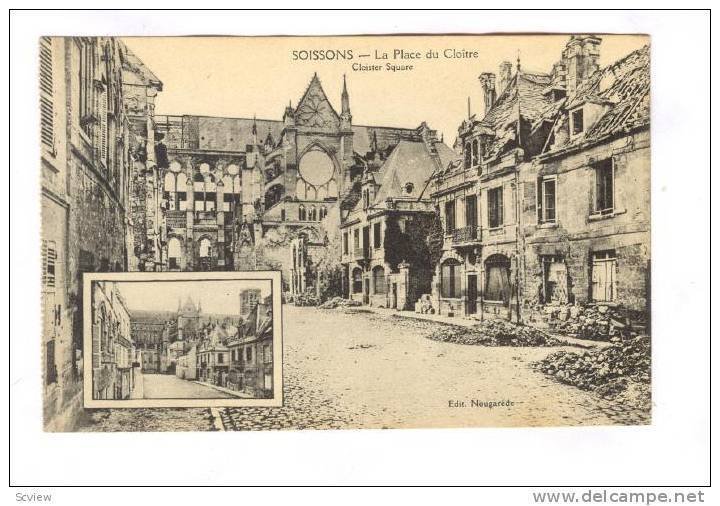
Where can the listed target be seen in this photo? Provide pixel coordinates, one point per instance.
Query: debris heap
(337, 302)
(595, 322)
(494, 333)
(608, 371)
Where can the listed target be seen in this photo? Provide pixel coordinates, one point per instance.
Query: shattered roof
(624, 87)
(523, 97)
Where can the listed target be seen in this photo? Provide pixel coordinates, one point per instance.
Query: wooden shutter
(47, 131)
(49, 257)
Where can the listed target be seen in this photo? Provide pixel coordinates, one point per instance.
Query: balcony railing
(465, 235)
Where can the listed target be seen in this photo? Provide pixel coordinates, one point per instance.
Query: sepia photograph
(433, 249)
(460, 226)
(169, 343)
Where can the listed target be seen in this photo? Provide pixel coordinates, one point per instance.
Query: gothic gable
(315, 110)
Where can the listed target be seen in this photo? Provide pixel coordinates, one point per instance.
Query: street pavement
(169, 386)
(349, 368)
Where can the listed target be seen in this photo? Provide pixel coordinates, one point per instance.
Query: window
(495, 207)
(475, 159)
(174, 253)
(345, 243)
(471, 215)
(49, 257)
(449, 216)
(468, 154)
(267, 355)
(546, 200)
(377, 239)
(323, 212)
(450, 279)
(302, 216)
(604, 268)
(282, 214)
(313, 214)
(221, 358)
(497, 279)
(604, 187)
(555, 279)
(357, 280)
(378, 275)
(576, 118)
(356, 239)
(47, 135)
(248, 354)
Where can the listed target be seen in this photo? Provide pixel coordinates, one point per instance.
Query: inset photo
(183, 339)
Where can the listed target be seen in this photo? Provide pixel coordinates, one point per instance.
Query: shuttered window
(49, 257)
(47, 131)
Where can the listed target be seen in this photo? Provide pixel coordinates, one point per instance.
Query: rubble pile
(337, 302)
(494, 333)
(306, 299)
(595, 322)
(609, 371)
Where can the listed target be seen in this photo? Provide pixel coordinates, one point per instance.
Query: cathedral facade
(234, 193)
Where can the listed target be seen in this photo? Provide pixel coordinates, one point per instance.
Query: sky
(218, 297)
(246, 76)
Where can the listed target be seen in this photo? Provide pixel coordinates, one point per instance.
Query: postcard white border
(276, 287)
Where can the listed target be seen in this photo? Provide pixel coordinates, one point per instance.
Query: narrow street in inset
(169, 386)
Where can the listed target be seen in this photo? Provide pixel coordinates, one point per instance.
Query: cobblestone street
(351, 368)
(357, 369)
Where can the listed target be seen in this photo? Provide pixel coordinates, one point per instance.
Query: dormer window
(577, 121)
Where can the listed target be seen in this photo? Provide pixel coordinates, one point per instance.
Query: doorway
(393, 296)
(472, 294)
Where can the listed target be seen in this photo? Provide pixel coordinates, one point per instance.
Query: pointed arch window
(301, 213)
(313, 214)
(323, 212)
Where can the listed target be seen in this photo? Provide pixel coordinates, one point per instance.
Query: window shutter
(47, 134)
(539, 200)
(49, 256)
(500, 205)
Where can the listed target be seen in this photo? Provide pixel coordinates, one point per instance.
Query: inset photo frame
(190, 339)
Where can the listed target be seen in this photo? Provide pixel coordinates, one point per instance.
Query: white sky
(220, 296)
(243, 76)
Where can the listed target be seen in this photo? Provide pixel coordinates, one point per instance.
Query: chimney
(581, 60)
(505, 74)
(487, 80)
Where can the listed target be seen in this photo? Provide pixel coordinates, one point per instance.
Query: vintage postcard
(259, 233)
(182, 340)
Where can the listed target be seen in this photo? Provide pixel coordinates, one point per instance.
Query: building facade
(113, 357)
(550, 203)
(384, 255)
(86, 187)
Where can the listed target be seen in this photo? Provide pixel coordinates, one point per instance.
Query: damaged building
(587, 229)
(550, 204)
(244, 193)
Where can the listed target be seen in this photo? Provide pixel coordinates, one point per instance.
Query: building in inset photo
(144, 351)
